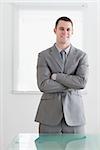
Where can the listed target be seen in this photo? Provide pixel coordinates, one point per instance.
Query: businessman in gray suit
(62, 72)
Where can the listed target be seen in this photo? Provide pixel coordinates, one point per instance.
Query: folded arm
(79, 79)
(44, 81)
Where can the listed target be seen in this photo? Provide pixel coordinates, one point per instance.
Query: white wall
(98, 60)
(90, 44)
(1, 84)
(17, 111)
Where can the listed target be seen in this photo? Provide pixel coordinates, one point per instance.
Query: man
(61, 73)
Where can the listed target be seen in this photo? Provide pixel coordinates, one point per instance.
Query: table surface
(28, 141)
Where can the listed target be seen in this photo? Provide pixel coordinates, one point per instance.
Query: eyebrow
(63, 28)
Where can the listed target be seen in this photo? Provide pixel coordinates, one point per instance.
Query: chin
(64, 42)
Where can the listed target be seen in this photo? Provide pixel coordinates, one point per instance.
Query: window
(34, 33)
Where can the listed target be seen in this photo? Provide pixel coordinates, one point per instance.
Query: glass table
(27, 141)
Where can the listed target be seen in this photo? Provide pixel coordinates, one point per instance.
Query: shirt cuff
(53, 77)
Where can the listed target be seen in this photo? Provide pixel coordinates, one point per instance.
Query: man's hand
(53, 76)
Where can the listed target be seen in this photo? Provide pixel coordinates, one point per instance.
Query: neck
(62, 46)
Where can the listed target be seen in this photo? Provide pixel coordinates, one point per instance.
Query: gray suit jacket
(63, 95)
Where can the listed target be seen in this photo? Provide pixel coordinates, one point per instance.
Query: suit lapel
(56, 55)
(69, 59)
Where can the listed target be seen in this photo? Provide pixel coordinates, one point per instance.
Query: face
(63, 31)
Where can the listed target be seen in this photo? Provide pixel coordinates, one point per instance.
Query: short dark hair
(64, 19)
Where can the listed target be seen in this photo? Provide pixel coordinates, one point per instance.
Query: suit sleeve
(44, 81)
(77, 80)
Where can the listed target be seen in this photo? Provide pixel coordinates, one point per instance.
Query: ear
(54, 30)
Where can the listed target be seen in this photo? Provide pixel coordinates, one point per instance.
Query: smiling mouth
(64, 37)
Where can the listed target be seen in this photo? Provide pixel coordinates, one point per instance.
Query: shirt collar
(66, 49)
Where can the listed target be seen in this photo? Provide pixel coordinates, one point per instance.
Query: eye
(68, 29)
(61, 28)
